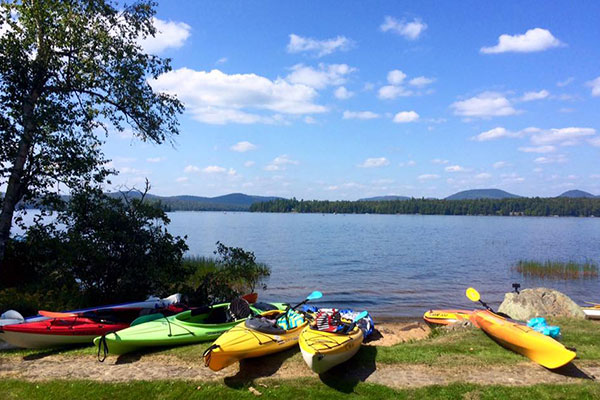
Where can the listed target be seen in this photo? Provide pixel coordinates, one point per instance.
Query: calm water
(396, 265)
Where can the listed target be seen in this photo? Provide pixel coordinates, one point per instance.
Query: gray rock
(539, 302)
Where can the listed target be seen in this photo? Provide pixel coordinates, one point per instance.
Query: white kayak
(591, 312)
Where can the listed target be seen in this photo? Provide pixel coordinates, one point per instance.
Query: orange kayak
(522, 339)
(446, 317)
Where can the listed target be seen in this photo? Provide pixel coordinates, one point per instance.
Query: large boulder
(539, 302)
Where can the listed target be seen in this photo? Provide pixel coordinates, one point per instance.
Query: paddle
(52, 314)
(360, 316)
(475, 297)
(313, 296)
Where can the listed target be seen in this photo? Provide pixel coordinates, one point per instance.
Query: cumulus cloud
(395, 77)
(280, 163)
(360, 115)
(531, 96)
(538, 149)
(421, 81)
(319, 48)
(390, 92)
(501, 164)
(559, 158)
(497, 133)
(426, 177)
(533, 40)
(410, 30)
(454, 168)
(169, 34)
(155, 160)
(242, 147)
(483, 176)
(484, 105)
(342, 93)
(406, 116)
(249, 164)
(214, 169)
(563, 136)
(191, 168)
(595, 141)
(374, 162)
(595, 85)
(321, 77)
(215, 97)
(566, 82)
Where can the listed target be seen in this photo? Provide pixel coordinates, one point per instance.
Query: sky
(332, 100)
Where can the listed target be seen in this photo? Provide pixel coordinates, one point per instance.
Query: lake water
(397, 265)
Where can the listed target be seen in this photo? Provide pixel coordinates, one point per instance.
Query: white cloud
(566, 82)
(501, 164)
(217, 98)
(410, 163)
(169, 34)
(538, 149)
(391, 92)
(559, 158)
(421, 81)
(214, 169)
(409, 30)
(342, 93)
(512, 178)
(374, 162)
(564, 136)
(321, 77)
(439, 161)
(406, 116)
(182, 179)
(486, 104)
(395, 77)
(320, 48)
(132, 171)
(280, 163)
(536, 39)
(155, 159)
(242, 147)
(426, 177)
(221, 60)
(455, 168)
(496, 133)
(360, 115)
(190, 169)
(249, 164)
(595, 141)
(531, 96)
(595, 85)
(483, 175)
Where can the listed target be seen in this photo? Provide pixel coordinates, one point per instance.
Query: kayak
(191, 326)
(255, 337)
(446, 317)
(324, 350)
(12, 317)
(69, 330)
(591, 312)
(522, 339)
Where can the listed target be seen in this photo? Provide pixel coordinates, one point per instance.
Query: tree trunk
(16, 187)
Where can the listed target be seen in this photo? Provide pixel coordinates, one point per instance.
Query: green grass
(308, 388)
(557, 269)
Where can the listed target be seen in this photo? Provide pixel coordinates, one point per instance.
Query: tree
(70, 70)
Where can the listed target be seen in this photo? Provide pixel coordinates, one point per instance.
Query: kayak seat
(264, 325)
(200, 310)
(217, 315)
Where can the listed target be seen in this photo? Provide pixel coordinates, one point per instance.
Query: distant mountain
(482, 194)
(385, 198)
(577, 194)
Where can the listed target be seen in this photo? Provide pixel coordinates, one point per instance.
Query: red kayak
(68, 329)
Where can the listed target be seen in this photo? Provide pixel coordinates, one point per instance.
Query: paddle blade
(473, 294)
(314, 295)
(51, 314)
(360, 316)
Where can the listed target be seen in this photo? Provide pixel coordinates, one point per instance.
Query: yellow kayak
(324, 350)
(253, 338)
(446, 317)
(522, 339)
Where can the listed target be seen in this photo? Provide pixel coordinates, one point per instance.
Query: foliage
(233, 273)
(69, 71)
(535, 206)
(557, 269)
(112, 250)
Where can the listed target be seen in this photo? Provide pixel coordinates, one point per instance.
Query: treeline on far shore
(534, 206)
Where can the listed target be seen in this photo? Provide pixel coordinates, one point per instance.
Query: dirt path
(61, 367)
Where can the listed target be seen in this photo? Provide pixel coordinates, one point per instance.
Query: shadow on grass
(259, 367)
(572, 371)
(346, 376)
(47, 352)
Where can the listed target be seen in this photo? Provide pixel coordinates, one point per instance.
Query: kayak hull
(523, 340)
(591, 312)
(446, 317)
(324, 350)
(241, 342)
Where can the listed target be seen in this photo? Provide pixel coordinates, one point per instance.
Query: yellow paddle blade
(473, 294)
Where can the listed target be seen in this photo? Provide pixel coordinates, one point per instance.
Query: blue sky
(324, 100)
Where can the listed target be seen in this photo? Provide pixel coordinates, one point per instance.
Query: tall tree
(70, 71)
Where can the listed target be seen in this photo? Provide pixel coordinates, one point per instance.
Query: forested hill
(534, 206)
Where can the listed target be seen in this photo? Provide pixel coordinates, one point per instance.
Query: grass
(307, 388)
(557, 269)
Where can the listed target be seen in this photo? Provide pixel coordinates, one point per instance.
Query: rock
(539, 302)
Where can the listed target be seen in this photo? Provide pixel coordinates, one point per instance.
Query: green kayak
(192, 326)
